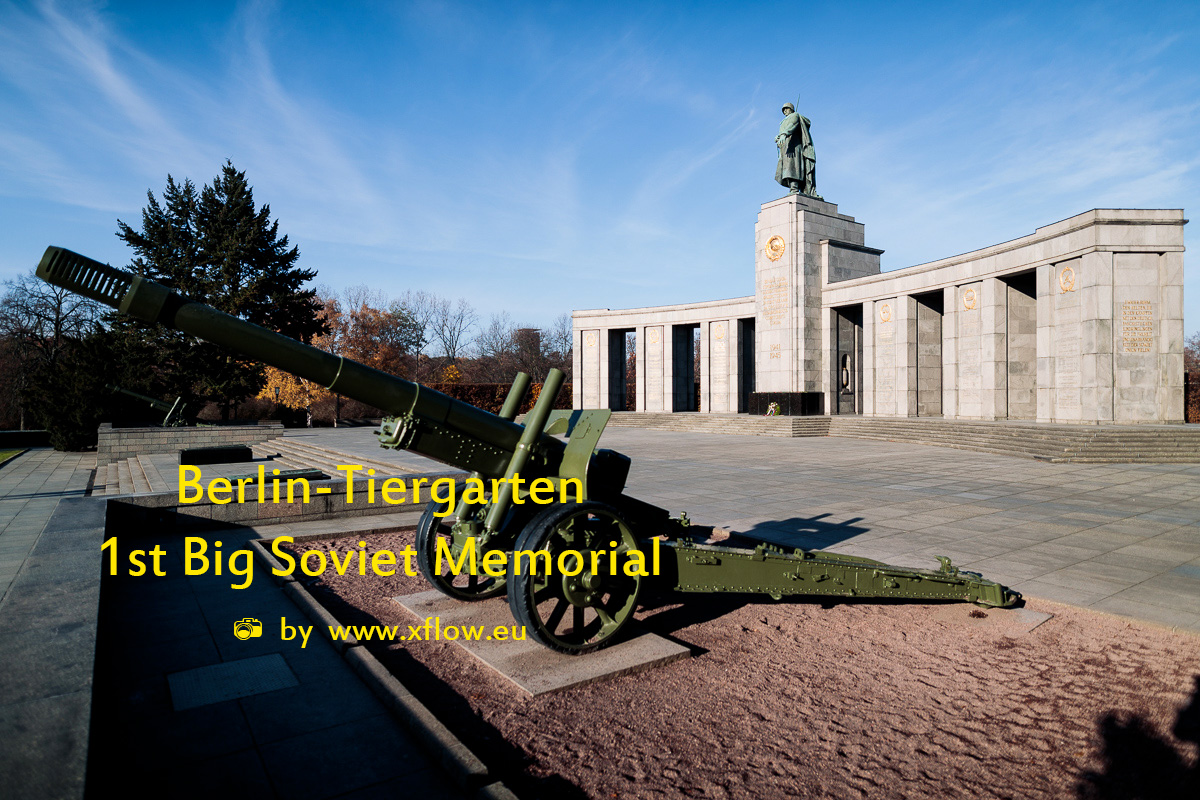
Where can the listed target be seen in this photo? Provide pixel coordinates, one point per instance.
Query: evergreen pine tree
(214, 247)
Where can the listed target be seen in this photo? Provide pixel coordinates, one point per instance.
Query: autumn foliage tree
(361, 325)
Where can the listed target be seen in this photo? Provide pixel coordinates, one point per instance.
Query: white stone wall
(1102, 341)
(714, 392)
(655, 328)
(887, 357)
(968, 380)
(1109, 333)
(588, 376)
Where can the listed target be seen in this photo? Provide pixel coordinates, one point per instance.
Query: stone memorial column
(576, 369)
(885, 358)
(1170, 337)
(868, 358)
(993, 355)
(969, 355)
(1067, 341)
(590, 369)
(655, 380)
(829, 366)
(606, 387)
(1045, 345)
(1142, 337)
(906, 356)
(717, 366)
(669, 367)
(950, 306)
(733, 349)
(1095, 286)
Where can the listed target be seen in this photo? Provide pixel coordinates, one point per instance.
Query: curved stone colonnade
(1080, 322)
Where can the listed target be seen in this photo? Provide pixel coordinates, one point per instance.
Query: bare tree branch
(452, 324)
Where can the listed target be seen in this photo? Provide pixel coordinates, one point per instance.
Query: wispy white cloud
(660, 189)
(629, 160)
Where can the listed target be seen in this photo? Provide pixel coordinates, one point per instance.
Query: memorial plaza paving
(308, 717)
(30, 487)
(1120, 538)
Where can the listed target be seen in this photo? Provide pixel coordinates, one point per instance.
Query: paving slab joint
(318, 615)
(464, 767)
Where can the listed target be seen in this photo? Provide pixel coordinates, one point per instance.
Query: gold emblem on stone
(1066, 280)
(775, 247)
(590, 339)
(652, 335)
(885, 313)
(970, 298)
(719, 330)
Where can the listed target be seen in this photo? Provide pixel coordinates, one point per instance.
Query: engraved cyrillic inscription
(775, 300)
(1137, 326)
(1068, 340)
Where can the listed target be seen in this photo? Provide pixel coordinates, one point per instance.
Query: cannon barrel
(426, 421)
(606, 522)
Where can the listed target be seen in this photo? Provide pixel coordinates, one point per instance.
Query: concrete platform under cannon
(527, 665)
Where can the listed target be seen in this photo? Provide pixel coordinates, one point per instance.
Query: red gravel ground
(838, 700)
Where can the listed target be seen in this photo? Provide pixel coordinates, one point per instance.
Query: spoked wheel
(432, 529)
(581, 612)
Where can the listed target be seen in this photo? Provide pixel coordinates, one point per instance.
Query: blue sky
(536, 158)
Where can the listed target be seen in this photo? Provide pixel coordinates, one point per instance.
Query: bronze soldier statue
(797, 168)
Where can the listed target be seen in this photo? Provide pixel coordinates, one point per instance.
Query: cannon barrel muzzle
(426, 421)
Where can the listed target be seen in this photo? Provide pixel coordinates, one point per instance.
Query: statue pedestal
(800, 243)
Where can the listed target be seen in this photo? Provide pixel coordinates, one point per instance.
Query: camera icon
(248, 628)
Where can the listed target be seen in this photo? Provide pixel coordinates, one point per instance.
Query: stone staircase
(293, 454)
(741, 424)
(1030, 441)
(1158, 444)
(126, 477)
(1057, 443)
(1179, 444)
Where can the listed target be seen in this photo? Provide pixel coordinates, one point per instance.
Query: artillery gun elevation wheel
(581, 612)
(432, 529)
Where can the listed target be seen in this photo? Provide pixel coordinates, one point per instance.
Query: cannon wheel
(461, 587)
(575, 614)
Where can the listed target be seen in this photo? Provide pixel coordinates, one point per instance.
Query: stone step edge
(299, 448)
(288, 460)
(1066, 441)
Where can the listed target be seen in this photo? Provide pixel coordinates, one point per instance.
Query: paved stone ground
(1116, 537)
(1122, 538)
(326, 736)
(30, 487)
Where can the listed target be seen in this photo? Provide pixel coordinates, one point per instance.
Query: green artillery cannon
(174, 410)
(597, 540)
